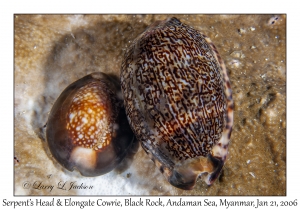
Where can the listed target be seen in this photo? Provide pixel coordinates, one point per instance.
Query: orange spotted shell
(87, 127)
(178, 101)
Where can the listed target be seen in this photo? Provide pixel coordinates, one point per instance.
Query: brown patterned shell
(87, 127)
(178, 101)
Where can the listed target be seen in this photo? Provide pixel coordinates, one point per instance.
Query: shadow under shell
(87, 127)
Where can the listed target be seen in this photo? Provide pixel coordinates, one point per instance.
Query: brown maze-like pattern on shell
(176, 92)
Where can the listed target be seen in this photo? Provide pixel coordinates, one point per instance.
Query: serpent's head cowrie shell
(87, 127)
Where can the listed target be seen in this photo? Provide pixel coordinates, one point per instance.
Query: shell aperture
(87, 127)
(178, 101)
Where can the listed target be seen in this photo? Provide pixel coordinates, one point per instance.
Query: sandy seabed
(52, 51)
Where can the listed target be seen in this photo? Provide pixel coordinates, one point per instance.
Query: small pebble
(252, 174)
(252, 29)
